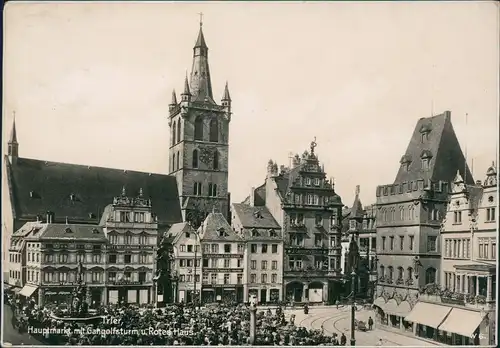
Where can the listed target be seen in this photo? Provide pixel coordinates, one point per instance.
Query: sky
(90, 83)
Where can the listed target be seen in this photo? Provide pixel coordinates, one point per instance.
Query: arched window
(214, 130)
(216, 160)
(400, 272)
(179, 131)
(173, 134)
(173, 162)
(410, 273)
(195, 158)
(402, 213)
(198, 128)
(382, 271)
(178, 159)
(390, 276)
(430, 275)
(393, 214)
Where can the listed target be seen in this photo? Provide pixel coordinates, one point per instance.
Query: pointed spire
(201, 84)
(174, 98)
(226, 96)
(13, 134)
(186, 86)
(357, 190)
(357, 207)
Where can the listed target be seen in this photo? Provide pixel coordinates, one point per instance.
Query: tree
(165, 275)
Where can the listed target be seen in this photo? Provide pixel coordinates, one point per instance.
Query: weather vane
(201, 18)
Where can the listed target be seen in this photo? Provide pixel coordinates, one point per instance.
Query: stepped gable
(80, 193)
(435, 138)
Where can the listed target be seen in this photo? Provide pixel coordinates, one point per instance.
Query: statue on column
(79, 305)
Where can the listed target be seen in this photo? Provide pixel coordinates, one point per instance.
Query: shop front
(222, 293)
(58, 295)
(427, 318)
(131, 293)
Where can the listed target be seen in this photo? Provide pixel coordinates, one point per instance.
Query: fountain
(79, 308)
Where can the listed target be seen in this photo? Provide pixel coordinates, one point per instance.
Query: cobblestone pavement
(335, 320)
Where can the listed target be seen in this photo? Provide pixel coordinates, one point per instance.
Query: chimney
(48, 217)
(252, 197)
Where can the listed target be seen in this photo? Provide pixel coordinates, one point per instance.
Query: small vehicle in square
(360, 325)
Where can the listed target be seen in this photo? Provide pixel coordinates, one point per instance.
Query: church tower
(199, 143)
(13, 145)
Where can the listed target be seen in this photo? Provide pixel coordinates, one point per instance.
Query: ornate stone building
(263, 272)
(199, 146)
(409, 216)
(304, 203)
(130, 254)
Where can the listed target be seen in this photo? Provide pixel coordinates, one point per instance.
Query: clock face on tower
(206, 155)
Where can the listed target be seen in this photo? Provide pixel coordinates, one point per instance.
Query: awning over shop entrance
(28, 290)
(462, 322)
(379, 302)
(428, 314)
(401, 310)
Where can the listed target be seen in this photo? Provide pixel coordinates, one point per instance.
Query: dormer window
(405, 162)
(425, 163)
(273, 233)
(68, 230)
(95, 231)
(255, 233)
(188, 235)
(316, 181)
(72, 197)
(307, 181)
(222, 232)
(424, 133)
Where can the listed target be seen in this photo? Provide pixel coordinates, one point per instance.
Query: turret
(173, 103)
(226, 98)
(186, 95)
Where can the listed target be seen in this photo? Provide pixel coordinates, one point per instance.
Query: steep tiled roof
(69, 232)
(39, 186)
(175, 232)
(259, 196)
(357, 208)
(441, 143)
(213, 225)
(254, 217)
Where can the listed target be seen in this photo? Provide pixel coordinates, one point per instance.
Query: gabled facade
(263, 272)
(409, 216)
(199, 146)
(304, 203)
(130, 256)
(223, 260)
(188, 272)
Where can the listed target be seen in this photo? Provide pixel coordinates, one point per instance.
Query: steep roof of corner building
(177, 229)
(71, 232)
(442, 144)
(254, 217)
(52, 183)
(211, 227)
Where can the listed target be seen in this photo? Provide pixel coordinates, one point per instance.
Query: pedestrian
(370, 323)
(380, 343)
(343, 340)
(337, 303)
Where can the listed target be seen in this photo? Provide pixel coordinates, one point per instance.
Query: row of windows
(490, 216)
(58, 277)
(15, 274)
(15, 258)
(298, 219)
(425, 164)
(314, 181)
(188, 278)
(309, 199)
(263, 278)
(198, 130)
(214, 248)
(458, 248)
(263, 264)
(264, 248)
(95, 258)
(214, 279)
(126, 216)
(388, 274)
(222, 263)
(130, 240)
(487, 248)
(389, 214)
(411, 244)
(297, 263)
(198, 189)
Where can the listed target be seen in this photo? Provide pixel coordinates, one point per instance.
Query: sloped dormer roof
(216, 228)
(441, 143)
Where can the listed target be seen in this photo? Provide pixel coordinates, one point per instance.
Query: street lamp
(196, 243)
(353, 262)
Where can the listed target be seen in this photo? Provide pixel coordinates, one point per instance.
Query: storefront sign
(50, 293)
(67, 283)
(223, 256)
(135, 246)
(127, 282)
(452, 301)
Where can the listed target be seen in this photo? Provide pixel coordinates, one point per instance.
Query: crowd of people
(221, 324)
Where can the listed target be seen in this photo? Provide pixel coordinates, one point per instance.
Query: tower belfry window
(216, 160)
(214, 130)
(179, 131)
(174, 128)
(195, 158)
(198, 128)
